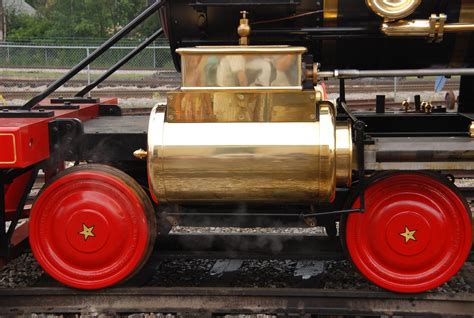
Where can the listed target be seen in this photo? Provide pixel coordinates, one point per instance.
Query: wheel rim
(414, 235)
(90, 228)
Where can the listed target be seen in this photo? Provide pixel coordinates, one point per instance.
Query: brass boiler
(245, 143)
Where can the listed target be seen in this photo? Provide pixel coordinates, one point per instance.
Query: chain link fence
(14, 55)
(26, 69)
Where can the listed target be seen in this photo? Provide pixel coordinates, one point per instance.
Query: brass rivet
(140, 154)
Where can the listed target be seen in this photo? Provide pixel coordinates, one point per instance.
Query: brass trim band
(331, 13)
(14, 149)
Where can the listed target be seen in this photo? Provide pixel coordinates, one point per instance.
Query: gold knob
(140, 154)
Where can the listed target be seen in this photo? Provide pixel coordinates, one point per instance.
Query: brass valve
(406, 106)
(427, 107)
(244, 29)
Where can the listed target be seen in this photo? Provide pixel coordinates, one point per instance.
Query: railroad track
(137, 93)
(219, 302)
(173, 77)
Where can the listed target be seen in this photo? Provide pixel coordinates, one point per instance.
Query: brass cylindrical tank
(267, 162)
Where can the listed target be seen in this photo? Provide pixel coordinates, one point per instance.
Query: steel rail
(210, 301)
(352, 74)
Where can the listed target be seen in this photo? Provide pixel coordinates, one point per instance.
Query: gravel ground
(24, 271)
(278, 274)
(236, 230)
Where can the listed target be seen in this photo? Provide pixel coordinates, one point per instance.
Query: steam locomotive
(252, 125)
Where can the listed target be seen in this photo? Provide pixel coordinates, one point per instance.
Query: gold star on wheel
(87, 231)
(408, 235)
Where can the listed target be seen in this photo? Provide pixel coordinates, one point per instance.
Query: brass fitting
(244, 29)
(427, 107)
(406, 106)
(140, 154)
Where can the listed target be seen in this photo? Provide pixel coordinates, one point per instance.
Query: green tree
(78, 19)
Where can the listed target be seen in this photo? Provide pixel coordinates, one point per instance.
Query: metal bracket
(437, 23)
(75, 100)
(7, 176)
(13, 112)
(110, 110)
(360, 140)
(65, 139)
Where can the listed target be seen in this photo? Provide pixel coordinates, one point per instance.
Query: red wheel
(414, 235)
(92, 227)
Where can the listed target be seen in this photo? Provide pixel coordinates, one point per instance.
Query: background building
(18, 6)
(15, 6)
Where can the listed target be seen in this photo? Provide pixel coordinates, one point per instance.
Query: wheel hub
(87, 231)
(408, 233)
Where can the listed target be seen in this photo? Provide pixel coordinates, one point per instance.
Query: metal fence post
(88, 52)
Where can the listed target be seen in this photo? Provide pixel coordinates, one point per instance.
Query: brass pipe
(422, 28)
(459, 27)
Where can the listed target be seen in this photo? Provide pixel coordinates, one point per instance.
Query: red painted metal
(414, 235)
(13, 193)
(25, 141)
(90, 228)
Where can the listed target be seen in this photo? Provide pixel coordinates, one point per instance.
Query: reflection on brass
(433, 28)
(241, 68)
(140, 154)
(344, 151)
(471, 130)
(393, 9)
(330, 13)
(188, 107)
(245, 161)
(244, 29)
